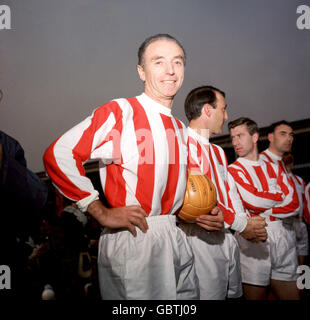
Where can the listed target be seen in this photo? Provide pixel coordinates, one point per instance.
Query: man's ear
(270, 137)
(141, 72)
(206, 109)
(255, 137)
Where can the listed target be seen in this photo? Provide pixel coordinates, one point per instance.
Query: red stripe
(67, 187)
(270, 170)
(306, 213)
(262, 178)
(146, 167)
(215, 175)
(192, 165)
(115, 185)
(218, 155)
(247, 175)
(173, 167)
(80, 153)
(266, 155)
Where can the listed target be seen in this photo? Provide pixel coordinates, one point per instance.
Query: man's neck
(200, 129)
(275, 151)
(253, 155)
(165, 101)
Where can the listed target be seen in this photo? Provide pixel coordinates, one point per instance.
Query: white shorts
(301, 237)
(276, 258)
(156, 265)
(217, 262)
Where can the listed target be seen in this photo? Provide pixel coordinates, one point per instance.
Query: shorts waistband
(152, 222)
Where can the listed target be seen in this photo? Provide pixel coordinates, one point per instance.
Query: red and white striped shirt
(142, 153)
(210, 159)
(300, 186)
(264, 188)
(269, 156)
(307, 204)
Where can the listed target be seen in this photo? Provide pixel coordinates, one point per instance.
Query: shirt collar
(197, 136)
(249, 162)
(153, 106)
(273, 156)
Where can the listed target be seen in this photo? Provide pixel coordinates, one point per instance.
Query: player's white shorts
(276, 258)
(217, 262)
(156, 265)
(301, 237)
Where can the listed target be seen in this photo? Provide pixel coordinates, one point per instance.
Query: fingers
(136, 218)
(210, 223)
(139, 222)
(132, 229)
(138, 209)
(215, 211)
(258, 220)
(208, 227)
(209, 218)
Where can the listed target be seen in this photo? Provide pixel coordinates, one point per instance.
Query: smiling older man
(143, 160)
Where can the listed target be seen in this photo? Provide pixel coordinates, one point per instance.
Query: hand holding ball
(200, 197)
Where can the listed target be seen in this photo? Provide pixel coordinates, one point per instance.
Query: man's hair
(273, 126)
(149, 40)
(288, 158)
(197, 98)
(251, 125)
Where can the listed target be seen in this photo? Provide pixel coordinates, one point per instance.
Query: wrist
(98, 211)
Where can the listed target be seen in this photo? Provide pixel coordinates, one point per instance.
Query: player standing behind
(265, 191)
(216, 253)
(281, 137)
(306, 213)
(299, 225)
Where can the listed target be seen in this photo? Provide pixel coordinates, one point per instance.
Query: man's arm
(16, 179)
(125, 217)
(255, 227)
(254, 200)
(64, 160)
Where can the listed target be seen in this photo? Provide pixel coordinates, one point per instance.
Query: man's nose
(226, 116)
(170, 68)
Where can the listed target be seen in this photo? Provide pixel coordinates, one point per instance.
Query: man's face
(163, 71)
(218, 115)
(281, 139)
(242, 141)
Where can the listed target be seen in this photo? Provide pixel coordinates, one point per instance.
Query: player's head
(244, 135)
(207, 104)
(280, 136)
(156, 37)
(161, 67)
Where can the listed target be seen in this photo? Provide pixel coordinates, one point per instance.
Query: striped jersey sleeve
(292, 202)
(142, 155)
(258, 194)
(264, 188)
(211, 160)
(306, 213)
(300, 188)
(64, 158)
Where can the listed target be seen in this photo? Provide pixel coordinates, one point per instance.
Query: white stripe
(161, 159)
(183, 152)
(64, 157)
